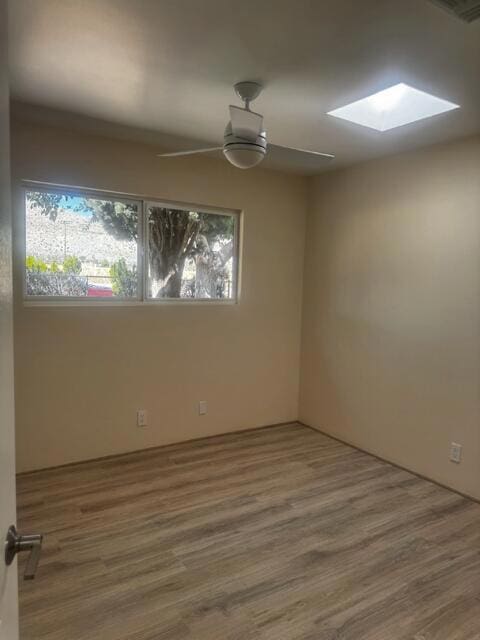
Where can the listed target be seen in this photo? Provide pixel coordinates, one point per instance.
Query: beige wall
(81, 373)
(391, 317)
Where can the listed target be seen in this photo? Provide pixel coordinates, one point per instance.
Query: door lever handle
(16, 543)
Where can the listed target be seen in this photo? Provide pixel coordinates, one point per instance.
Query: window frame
(143, 203)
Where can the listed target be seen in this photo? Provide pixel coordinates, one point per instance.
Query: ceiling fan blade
(301, 161)
(174, 154)
(318, 154)
(246, 124)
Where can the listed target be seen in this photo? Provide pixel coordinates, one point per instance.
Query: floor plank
(279, 533)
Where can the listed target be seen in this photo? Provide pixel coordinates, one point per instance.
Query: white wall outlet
(142, 418)
(456, 452)
(202, 407)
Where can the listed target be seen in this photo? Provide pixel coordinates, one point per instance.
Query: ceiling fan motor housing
(242, 153)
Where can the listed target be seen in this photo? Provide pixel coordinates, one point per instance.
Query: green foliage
(216, 227)
(48, 203)
(124, 280)
(72, 265)
(36, 265)
(119, 219)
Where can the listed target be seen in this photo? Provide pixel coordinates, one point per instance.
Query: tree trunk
(173, 285)
(205, 277)
(172, 235)
(209, 269)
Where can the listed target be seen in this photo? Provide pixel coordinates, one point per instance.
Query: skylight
(393, 107)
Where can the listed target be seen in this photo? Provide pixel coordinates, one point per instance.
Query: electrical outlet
(202, 407)
(142, 418)
(456, 452)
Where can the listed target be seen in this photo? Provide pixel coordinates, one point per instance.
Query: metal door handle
(15, 543)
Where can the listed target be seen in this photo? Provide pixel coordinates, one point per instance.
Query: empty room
(240, 319)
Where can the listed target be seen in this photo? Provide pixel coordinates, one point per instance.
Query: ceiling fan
(245, 140)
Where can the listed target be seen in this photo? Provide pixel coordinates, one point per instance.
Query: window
(190, 253)
(89, 246)
(78, 246)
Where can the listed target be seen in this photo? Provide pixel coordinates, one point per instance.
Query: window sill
(126, 303)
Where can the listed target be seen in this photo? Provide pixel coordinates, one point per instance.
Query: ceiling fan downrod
(248, 91)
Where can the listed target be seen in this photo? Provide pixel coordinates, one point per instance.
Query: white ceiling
(163, 70)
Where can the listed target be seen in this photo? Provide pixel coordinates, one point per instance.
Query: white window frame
(143, 203)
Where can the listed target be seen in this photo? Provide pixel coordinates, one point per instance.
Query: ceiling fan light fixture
(244, 156)
(242, 153)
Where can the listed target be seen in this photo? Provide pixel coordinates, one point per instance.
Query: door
(8, 575)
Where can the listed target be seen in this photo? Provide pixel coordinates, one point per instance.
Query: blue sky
(72, 204)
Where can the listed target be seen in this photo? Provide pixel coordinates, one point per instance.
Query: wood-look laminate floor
(276, 534)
